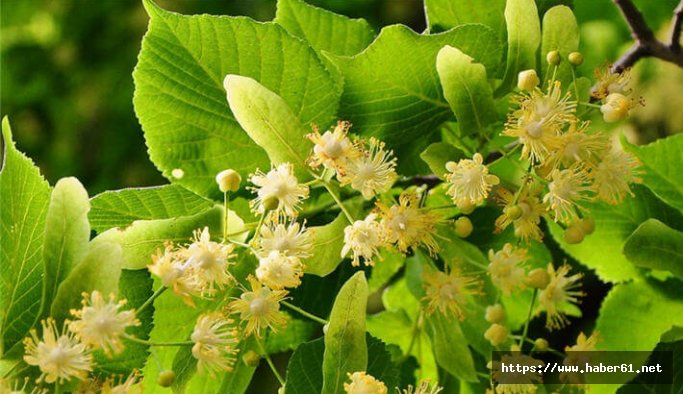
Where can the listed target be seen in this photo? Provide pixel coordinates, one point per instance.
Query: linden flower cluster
(362, 383)
(62, 355)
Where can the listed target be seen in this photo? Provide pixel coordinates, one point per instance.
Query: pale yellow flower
(469, 180)
(128, 386)
(290, 240)
(333, 148)
(561, 289)
(207, 262)
(363, 238)
(362, 383)
(101, 323)
(524, 214)
(259, 308)
(507, 268)
(175, 274)
(372, 172)
(407, 226)
(609, 82)
(616, 107)
(277, 270)
(577, 146)
(614, 174)
(215, 340)
(425, 387)
(281, 184)
(60, 357)
(579, 355)
(448, 292)
(566, 190)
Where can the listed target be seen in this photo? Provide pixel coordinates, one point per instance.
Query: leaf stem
(528, 318)
(226, 204)
(151, 299)
(304, 313)
(148, 343)
(270, 362)
(415, 332)
(338, 201)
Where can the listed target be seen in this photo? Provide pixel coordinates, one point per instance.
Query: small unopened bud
(541, 344)
(538, 278)
(575, 58)
(228, 180)
(281, 390)
(588, 225)
(463, 227)
(527, 80)
(251, 358)
(514, 212)
(573, 234)
(466, 207)
(496, 334)
(166, 378)
(325, 328)
(616, 107)
(494, 313)
(515, 348)
(553, 58)
(271, 203)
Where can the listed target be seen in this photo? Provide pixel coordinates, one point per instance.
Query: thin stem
(338, 201)
(148, 343)
(590, 105)
(226, 204)
(151, 299)
(415, 333)
(576, 87)
(270, 362)
(258, 226)
(58, 387)
(438, 207)
(528, 318)
(304, 313)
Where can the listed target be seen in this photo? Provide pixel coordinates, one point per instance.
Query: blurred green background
(66, 74)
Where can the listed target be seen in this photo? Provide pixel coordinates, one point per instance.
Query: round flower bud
(496, 334)
(514, 212)
(616, 107)
(466, 207)
(575, 58)
(527, 80)
(325, 328)
(541, 344)
(166, 378)
(587, 225)
(463, 227)
(538, 278)
(515, 348)
(553, 58)
(251, 358)
(228, 180)
(494, 313)
(271, 203)
(573, 234)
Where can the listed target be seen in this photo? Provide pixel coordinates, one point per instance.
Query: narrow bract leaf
(560, 33)
(270, 122)
(466, 88)
(345, 347)
(450, 346)
(67, 232)
(328, 241)
(24, 197)
(524, 38)
(656, 246)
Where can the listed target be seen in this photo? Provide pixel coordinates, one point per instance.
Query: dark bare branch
(677, 26)
(639, 28)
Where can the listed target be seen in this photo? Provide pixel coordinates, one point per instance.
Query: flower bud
(466, 207)
(573, 234)
(463, 227)
(496, 334)
(587, 225)
(166, 378)
(527, 80)
(575, 58)
(553, 58)
(271, 203)
(616, 107)
(514, 212)
(515, 348)
(538, 278)
(541, 344)
(251, 358)
(228, 181)
(494, 313)
(325, 328)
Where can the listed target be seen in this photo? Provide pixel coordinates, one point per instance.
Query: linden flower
(448, 292)
(362, 383)
(507, 268)
(372, 172)
(539, 120)
(425, 387)
(279, 183)
(59, 357)
(333, 148)
(292, 240)
(561, 289)
(260, 308)
(469, 180)
(278, 270)
(576, 146)
(18, 387)
(100, 322)
(363, 238)
(174, 275)
(613, 175)
(525, 214)
(609, 83)
(576, 355)
(407, 226)
(616, 107)
(566, 190)
(208, 261)
(128, 386)
(516, 382)
(214, 340)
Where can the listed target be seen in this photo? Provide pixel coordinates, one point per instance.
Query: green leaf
(144, 238)
(328, 241)
(269, 122)
(380, 364)
(467, 90)
(295, 332)
(99, 270)
(180, 100)
(662, 171)
(560, 33)
(445, 14)
(24, 197)
(67, 233)
(324, 30)
(345, 347)
(602, 250)
(304, 374)
(120, 208)
(450, 346)
(392, 89)
(387, 266)
(524, 38)
(656, 246)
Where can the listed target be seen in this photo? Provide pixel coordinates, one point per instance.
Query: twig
(646, 44)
